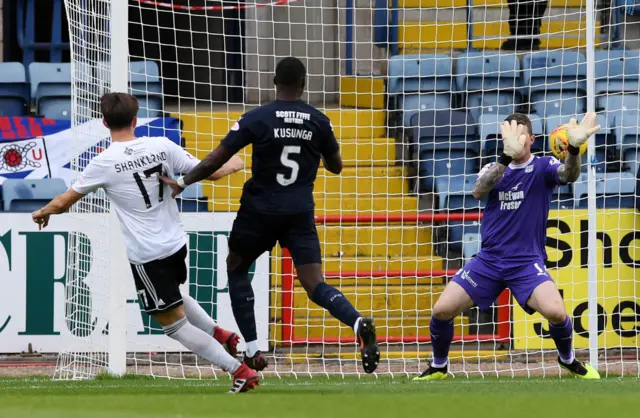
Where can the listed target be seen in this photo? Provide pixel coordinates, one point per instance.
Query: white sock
(439, 366)
(201, 343)
(252, 348)
(198, 316)
(357, 325)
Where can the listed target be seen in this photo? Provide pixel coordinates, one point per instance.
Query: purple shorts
(484, 283)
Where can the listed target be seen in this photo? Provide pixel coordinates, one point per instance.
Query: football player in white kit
(129, 172)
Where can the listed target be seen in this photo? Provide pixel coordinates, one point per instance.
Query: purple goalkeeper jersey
(514, 223)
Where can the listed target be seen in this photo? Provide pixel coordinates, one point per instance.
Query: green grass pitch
(322, 398)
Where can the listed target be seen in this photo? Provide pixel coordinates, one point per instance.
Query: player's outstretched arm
(234, 165)
(578, 135)
(59, 204)
(570, 170)
(204, 170)
(488, 179)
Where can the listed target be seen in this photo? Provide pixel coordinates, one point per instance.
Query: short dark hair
(118, 109)
(290, 72)
(521, 120)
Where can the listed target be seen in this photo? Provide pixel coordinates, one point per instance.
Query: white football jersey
(129, 174)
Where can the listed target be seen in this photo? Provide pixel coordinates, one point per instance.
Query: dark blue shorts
(254, 233)
(484, 283)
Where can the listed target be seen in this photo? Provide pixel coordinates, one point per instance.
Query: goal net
(416, 91)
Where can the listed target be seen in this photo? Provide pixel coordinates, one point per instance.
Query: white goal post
(404, 83)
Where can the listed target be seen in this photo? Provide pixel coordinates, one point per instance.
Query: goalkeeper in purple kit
(518, 189)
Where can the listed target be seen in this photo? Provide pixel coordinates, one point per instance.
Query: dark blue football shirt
(288, 139)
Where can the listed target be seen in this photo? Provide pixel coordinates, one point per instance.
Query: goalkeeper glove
(513, 138)
(579, 134)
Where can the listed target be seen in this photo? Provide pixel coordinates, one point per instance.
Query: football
(559, 141)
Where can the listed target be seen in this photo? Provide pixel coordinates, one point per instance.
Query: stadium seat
(562, 198)
(488, 82)
(445, 130)
(457, 232)
(14, 90)
(617, 71)
(434, 164)
(420, 82)
(471, 245)
(419, 73)
(144, 83)
(555, 82)
(193, 199)
(456, 193)
(414, 103)
(613, 190)
(21, 195)
(490, 136)
(51, 89)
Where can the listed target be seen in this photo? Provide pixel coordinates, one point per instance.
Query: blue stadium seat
(415, 103)
(555, 82)
(613, 190)
(620, 102)
(438, 163)
(617, 70)
(14, 90)
(471, 245)
(457, 232)
(456, 193)
(489, 82)
(490, 137)
(562, 198)
(419, 73)
(51, 89)
(21, 195)
(193, 199)
(145, 84)
(420, 82)
(445, 130)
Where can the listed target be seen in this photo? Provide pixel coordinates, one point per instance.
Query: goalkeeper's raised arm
(578, 135)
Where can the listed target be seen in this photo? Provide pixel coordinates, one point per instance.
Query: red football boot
(244, 379)
(227, 338)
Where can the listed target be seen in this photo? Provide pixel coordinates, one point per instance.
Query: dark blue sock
(441, 337)
(242, 301)
(334, 301)
(562, 334)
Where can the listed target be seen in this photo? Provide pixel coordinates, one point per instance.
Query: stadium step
(368, 264)
(208, 128)
(365, 205)
(362, 92)
(353, 205)
(355, 152)
(368, 152)
(329, 327)
(379, 241)
(417, 37)
(408, 301)
(381, 181)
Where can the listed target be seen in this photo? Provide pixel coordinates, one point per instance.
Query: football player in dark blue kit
(289, 138)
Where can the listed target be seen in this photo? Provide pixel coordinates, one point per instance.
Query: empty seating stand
(555, 82)
(617, 84)
(419, 82)
(51, 89)
(20, 195)
(145, 84)
(14, 90)
(447, 146)
(489, 82)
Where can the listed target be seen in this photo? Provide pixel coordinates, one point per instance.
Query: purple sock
(441, 337)
(562, 334)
